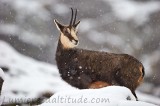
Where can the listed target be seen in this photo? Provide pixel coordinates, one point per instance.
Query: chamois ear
(76, 25)
(58, 25)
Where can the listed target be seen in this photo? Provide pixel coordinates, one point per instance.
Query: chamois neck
(60, 46)
(64, 52)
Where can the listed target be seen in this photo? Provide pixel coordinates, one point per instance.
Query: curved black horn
(71, 17)
(74, 21)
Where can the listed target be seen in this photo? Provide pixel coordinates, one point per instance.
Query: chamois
(86, 68)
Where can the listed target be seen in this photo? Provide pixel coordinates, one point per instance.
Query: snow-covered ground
(108, 96)
(27, 79)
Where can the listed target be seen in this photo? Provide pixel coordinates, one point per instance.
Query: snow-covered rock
(1, 82)
(108, 96)
(2, 76)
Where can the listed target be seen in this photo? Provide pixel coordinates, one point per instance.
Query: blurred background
(118, 26)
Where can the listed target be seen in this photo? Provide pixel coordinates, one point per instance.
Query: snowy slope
(27, 79)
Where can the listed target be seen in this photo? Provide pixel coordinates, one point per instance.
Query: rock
(1, 79)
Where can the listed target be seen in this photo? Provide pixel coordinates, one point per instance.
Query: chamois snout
(75, 42)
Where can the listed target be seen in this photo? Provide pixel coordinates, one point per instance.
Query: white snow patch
(132, 10)
(108, 96)
(87, 97)
(134, 103)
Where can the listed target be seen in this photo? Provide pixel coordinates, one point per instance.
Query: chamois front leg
(133, 92)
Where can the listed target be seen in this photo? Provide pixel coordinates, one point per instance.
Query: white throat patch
(66, 42)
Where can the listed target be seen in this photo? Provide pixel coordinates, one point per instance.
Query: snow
(61, 9)
(114, 30)
(2, 74)
(27, 79)
(26, 76)
(87, 24)
(110, 96)
(151, 60)
(134, 103)
(29, 36)
(131, 10)
(148, 98)
(80, 67)
(99, 38)
(31, 7)
(12, 29)
(29, 13)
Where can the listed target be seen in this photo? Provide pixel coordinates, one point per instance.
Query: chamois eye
(66, 32)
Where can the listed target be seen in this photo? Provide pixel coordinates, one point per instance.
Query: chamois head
(68, 33)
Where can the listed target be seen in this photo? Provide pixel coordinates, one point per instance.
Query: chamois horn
(74, 21)
(71, 17)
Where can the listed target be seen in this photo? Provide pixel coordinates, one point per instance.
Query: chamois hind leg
(128, 78)
(133, 92)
